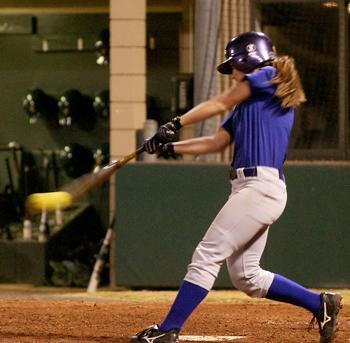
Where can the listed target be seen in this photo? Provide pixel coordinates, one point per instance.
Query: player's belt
(247, 172)
(250, 172)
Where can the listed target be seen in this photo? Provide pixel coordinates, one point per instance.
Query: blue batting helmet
(247, 51)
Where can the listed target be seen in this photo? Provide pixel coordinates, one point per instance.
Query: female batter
(264, 98)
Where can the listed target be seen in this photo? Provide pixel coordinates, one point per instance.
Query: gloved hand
(166, 150)
(151, 144)
(166, 132)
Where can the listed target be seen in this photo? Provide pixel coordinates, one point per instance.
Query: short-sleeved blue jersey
(259, 126)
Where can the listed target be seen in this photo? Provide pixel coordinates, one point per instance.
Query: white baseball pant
(239, 232)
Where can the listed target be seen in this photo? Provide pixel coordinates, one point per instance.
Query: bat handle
(129, 157)
(140, 150)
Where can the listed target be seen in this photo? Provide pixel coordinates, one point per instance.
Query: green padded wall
(310, 241)
(164, 209)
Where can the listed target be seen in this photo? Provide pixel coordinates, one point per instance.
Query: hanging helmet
(101, 156)
(76, 160)
(101, 104)
(34, 104)
(70, 107)
(247, 51)
(102, 48)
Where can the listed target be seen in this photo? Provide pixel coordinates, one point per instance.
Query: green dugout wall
(164, 209)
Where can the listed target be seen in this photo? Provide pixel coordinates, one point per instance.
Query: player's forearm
(202, 112)
(219, 104)
(197, 146)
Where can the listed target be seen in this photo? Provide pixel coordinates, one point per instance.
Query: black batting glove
(167, 132)
(166, 150)
(151, 144)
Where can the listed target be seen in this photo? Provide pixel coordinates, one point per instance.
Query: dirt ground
(66, 316)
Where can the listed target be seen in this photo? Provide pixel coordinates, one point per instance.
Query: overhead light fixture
(330, 4)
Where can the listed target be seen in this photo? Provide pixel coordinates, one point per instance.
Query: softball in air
(49, 201)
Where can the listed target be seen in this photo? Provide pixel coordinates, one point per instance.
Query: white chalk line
(191, 338)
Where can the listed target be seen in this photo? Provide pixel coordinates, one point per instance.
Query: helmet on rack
(70, 107)
(247, 51)
(34, 104)
(101, 157)
(101, 104)
(76, 160)
(102, 48)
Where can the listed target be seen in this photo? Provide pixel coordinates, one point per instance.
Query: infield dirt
(46, 315)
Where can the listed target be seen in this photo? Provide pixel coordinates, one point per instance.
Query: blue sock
(290, 292)
(187, 299)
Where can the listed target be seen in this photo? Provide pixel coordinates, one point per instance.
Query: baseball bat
(73, 190)
(14, 147)
(55, 169)
(101, 259)
(11, 187)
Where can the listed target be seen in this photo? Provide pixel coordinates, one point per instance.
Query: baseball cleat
(153, 334)
(326, 317)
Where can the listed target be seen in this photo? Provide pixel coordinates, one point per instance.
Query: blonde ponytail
(289, 88)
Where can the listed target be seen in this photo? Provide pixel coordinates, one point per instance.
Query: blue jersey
(259, 126)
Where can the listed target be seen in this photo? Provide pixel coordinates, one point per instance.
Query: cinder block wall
(127, 82)
(127, 76)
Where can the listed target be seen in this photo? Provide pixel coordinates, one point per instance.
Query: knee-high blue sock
(187, 299)
(290, 292)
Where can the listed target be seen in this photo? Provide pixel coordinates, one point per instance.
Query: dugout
(165, 208)
(65, 258)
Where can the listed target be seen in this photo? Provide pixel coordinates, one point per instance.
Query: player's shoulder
(269, 71)
(262, 74)
(260, 80)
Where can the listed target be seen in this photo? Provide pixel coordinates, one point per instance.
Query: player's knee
(251, 283)
(248, 288)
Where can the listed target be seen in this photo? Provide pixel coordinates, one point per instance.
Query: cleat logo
(326, 317)
(153, 339)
